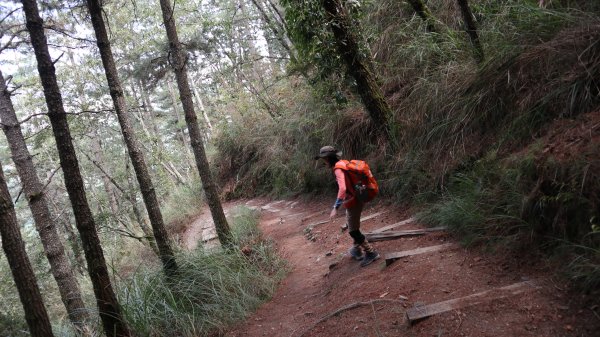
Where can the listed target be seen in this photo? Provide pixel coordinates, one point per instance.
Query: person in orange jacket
(346, 196)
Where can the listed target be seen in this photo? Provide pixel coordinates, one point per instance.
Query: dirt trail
(373, 301)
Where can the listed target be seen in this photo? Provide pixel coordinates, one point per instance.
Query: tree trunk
(471, 29)
(137, 157)
(14, 248)
(209, 127)
(63, 218)
(150, 110)
(98, 156)
(138, 215)
(180, 128)
(360, 67)
(176, 114)
(108, 307)
(75, 245)
(423, 11)
(33, 189)
(144, 115)
(179, 67)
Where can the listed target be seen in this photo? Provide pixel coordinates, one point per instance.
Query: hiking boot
(356, 253)
(369, 258)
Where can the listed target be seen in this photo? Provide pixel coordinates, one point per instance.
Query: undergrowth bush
(212, 290)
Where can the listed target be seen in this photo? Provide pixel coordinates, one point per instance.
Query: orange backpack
(364, 184)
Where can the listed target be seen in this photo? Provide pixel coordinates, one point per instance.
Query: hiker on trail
(356, 186)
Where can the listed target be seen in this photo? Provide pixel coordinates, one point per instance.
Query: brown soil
(320, 284)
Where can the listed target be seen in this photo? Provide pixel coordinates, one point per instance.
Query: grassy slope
(473, 137)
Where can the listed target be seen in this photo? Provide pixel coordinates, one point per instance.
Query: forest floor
(326, 293)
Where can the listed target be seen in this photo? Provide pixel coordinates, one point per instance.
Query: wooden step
(391, 257)
(392, 226)
(423, 311)
(400, 234)
(368, 217)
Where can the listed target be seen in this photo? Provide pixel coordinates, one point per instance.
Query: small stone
(355, 328)
(329, 253)
(569, 327)
(402, 297)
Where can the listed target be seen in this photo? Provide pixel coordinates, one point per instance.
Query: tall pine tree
(108, 307)
(178, 63)
(137, 157)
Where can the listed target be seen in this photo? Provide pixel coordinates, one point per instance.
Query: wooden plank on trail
(293, 215)
(326, 221)
(424, 311)
(372, 216)
(392, 226)
(391, 257)
(313, 225)
(312, 215)
(400, 234)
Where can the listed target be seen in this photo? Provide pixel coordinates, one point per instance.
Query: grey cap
(327, 151)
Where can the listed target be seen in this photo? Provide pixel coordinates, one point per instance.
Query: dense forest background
(482, 116)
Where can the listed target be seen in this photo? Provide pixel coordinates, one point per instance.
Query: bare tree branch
(67, 34)
(9, 14)
(58, 58)
(9, 44)
(68, 113)
(112, 180)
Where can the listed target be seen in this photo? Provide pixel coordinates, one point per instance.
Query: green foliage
(212, 290)
(308, 26)
(264, 155)
(182, 204)
(12, 319)
(585, 266)
(483, 204)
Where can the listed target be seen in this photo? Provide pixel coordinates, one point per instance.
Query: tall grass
(212, 290)
(484, 203)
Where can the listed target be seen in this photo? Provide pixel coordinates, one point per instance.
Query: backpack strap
(341, 164)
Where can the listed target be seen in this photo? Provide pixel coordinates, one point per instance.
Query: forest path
(374, 300)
